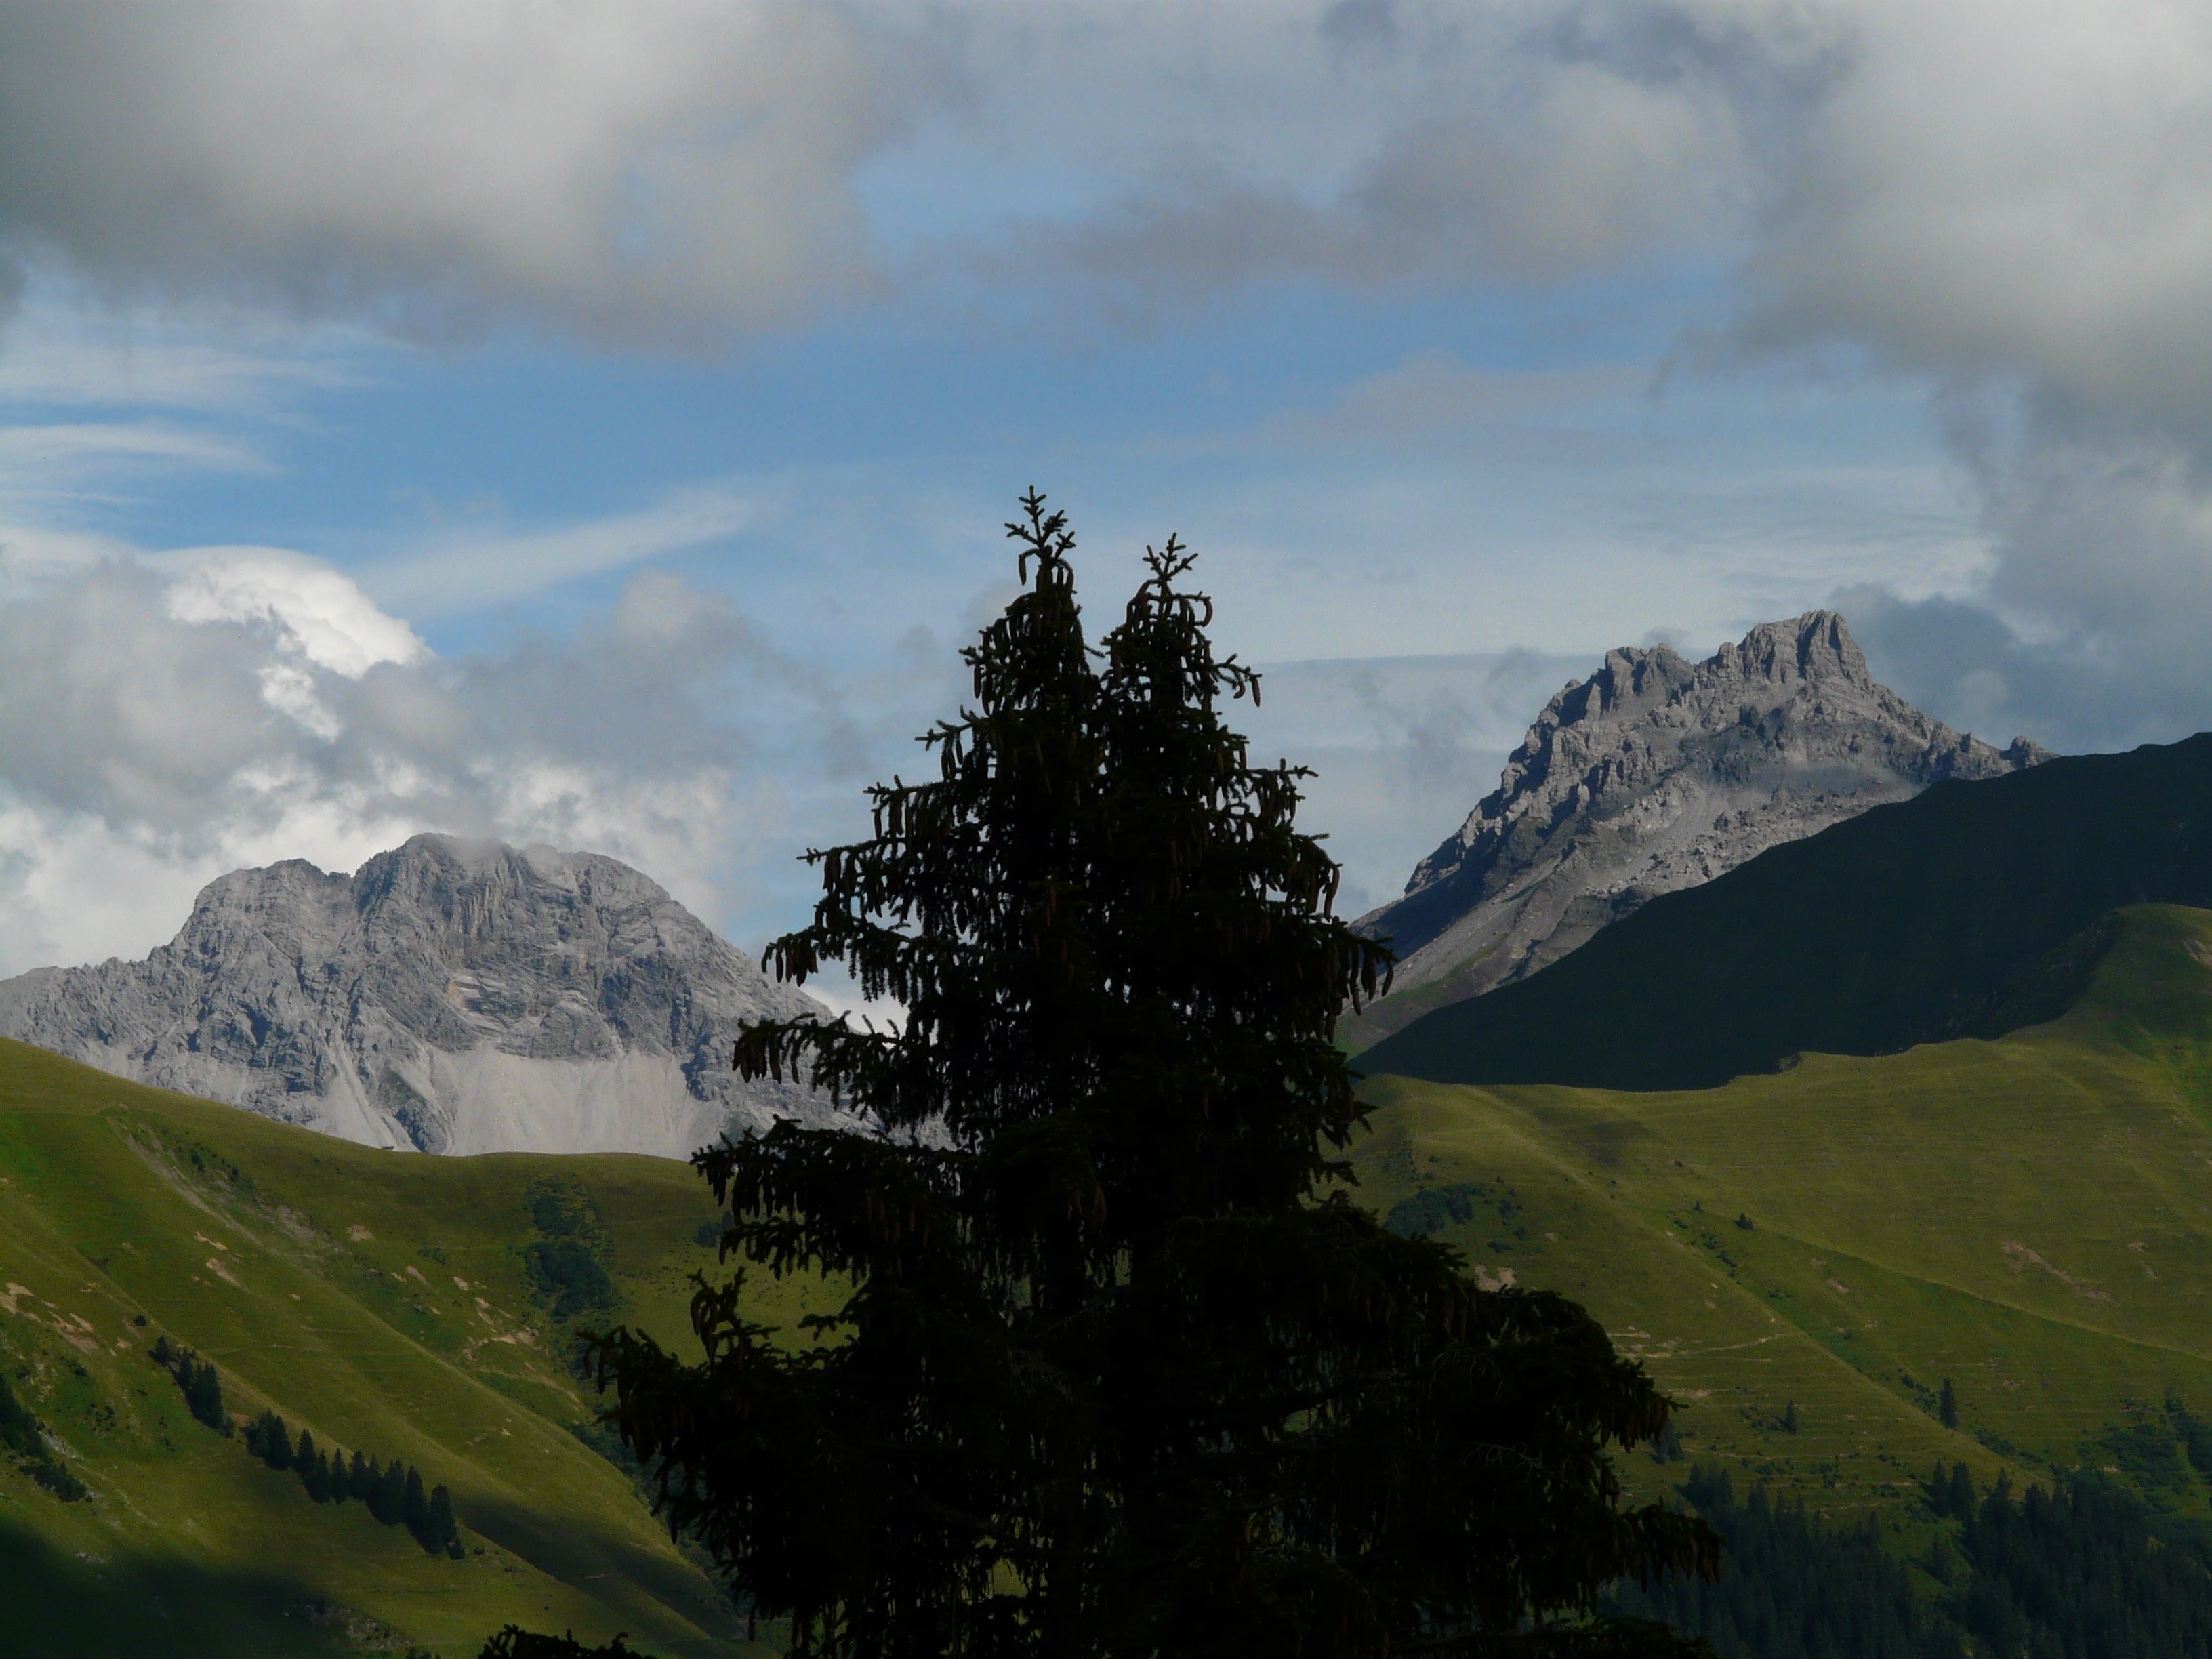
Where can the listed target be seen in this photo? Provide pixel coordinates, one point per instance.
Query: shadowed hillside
(1971, 909)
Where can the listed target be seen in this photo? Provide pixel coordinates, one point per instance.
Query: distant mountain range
(1655, 775)
(450, 996)
(1974, 910)
(453, 996)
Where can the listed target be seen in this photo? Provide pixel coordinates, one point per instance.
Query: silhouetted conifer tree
(390, 1503)
(1962, 1492)
(1120, 1373)
(438, 1530)
(415, 1504)
(361, 1478)
(1947, 1405)
(305, 1458)
(275, 1442)
(198, 1382)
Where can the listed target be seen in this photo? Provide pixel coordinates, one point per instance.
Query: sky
(593, 420)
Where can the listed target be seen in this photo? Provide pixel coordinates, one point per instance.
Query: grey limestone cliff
(1656, 773)
(449, 996)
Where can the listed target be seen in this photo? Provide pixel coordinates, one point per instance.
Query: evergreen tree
(415, 1504)
(361, 1478)
(438, 1530)
(1947, 1405)
(199, 1383)
(338, 1485)
(1962, 1492)
(389, 1505)
(306, 1459)
(1122, 1370)
(1795, 1589)
(271, 1441)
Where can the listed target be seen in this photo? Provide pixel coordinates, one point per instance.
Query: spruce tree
(415, 1503)
(203, 1394)
(389, 1505)
(361, 1478)
(1121, 1370)
(1961, 1499)
(1947, 1405)
(438, 1530)
(304, 1460)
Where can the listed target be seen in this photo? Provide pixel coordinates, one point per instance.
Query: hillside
(2029, 1217)
(393, 1303)
(1972, 908)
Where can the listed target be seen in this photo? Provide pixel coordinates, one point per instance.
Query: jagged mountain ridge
(450, 996)
(1653, 774)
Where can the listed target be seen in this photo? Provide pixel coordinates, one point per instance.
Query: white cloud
(623, 169)
(44, 459)
(320, 614)
(469, 569)
(53, 354)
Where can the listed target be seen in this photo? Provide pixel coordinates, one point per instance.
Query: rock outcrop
(1657, 773)
(449, 996)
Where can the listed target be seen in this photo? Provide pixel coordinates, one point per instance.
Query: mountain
(1653, 774)
(2026, 1218)
(449, 996)
(412, 1309)
(1973, 908)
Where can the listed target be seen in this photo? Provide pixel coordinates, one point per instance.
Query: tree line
(393, 1493)
(198, 1380)
(2080, 1570)
(23, 1434)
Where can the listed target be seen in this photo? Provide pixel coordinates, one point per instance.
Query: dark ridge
(1972, 909)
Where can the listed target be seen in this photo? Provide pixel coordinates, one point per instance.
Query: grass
(2030, 1218)
(389, 1302)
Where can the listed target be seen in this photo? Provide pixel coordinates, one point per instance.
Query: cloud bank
(626, 170)
(159, 727)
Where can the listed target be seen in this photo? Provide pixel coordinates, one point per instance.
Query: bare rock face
(1657, 773)
(449, 996)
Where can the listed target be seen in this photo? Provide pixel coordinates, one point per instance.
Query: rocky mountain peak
(450, 995)
(1654, 774)
(1813, 648)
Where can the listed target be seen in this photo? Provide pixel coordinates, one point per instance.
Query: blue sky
(592, 423)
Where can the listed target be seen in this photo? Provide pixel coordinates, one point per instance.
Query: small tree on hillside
(1121, 1370)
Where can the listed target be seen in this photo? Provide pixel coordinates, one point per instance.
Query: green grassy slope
(1910, 922)
(382, 1300)
(2031, 1218)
